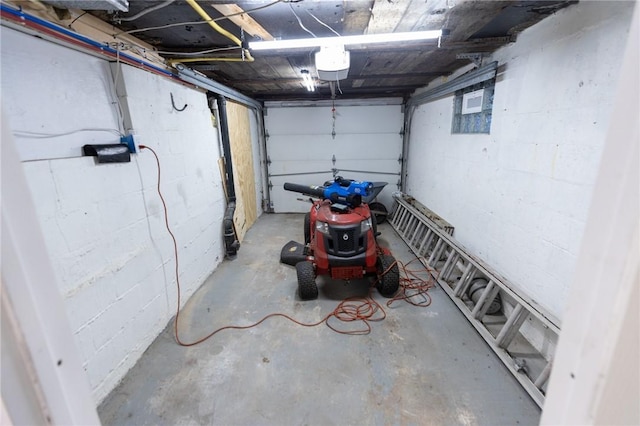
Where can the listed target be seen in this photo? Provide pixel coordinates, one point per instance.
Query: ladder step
(450, 265)
(511, 327)
(427, 237)
(417, 235)
(401, 218)
(490, 292)
(435, 254)
(396, 213)
(467, 276)
(544, 376)
(413, 222)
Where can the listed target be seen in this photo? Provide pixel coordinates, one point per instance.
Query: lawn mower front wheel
(307, 287)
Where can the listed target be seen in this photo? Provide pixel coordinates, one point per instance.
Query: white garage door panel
(310, 147)
(367, 146)
(298, 166)
(367, 139)
(371, 168)
(370, 119)
(279, 121)
(319, 120)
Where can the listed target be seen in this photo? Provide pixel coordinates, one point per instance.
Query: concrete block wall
(519, 197)
(104, 224)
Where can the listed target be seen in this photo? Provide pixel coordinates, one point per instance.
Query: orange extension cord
(352, 309)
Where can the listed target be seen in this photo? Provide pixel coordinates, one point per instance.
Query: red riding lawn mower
(340, 238)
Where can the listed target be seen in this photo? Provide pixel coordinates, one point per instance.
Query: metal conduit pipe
(226, 146)
(190, 76)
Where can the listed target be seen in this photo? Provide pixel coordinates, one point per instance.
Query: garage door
(306, 145)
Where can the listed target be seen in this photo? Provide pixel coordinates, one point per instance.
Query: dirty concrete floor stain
(419, 366)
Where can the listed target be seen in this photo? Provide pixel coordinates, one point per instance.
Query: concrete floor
(418, 366)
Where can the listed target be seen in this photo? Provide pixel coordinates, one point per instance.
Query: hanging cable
(322, 23)
(145, 11)
(333, 117)
(76, 18)
(300, 21)
(35, 135)
(206, 21)
(201, 52)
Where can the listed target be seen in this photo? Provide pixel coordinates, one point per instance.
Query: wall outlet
(132, 141)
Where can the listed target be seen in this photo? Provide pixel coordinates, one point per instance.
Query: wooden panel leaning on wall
(242, 159)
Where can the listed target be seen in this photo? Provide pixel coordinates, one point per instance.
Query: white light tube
(346, 40)
(308, 81)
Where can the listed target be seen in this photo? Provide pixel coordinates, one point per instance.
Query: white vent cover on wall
(472, 102)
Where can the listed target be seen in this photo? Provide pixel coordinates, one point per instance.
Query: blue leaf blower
(344, 191)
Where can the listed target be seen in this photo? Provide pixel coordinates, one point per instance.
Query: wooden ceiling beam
(386, 15)
(250, 81)
(243, 20)
(469, 17)
(355, 17)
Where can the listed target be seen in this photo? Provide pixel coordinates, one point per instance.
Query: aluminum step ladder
(454, 268)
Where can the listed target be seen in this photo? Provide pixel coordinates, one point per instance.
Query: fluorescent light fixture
(308, 81)
(346, 40)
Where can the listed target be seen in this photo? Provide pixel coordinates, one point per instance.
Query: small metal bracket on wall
(476, 58)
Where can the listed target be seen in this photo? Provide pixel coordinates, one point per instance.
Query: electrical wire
(36, 135)
(413, 286)
(145, 11)
(76, 18)
(322, 23)
(300, 21)
(206, 21)
(173, 238)
(338, 84)
(202, 52)
(355, 309)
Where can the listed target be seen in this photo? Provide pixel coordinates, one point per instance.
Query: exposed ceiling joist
(474, 27)
(237, 15)
(386, 15)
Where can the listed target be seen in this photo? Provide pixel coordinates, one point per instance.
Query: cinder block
(100, 365)
(79, 226)
(84, 341)
(104, 224)
(88, 301)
